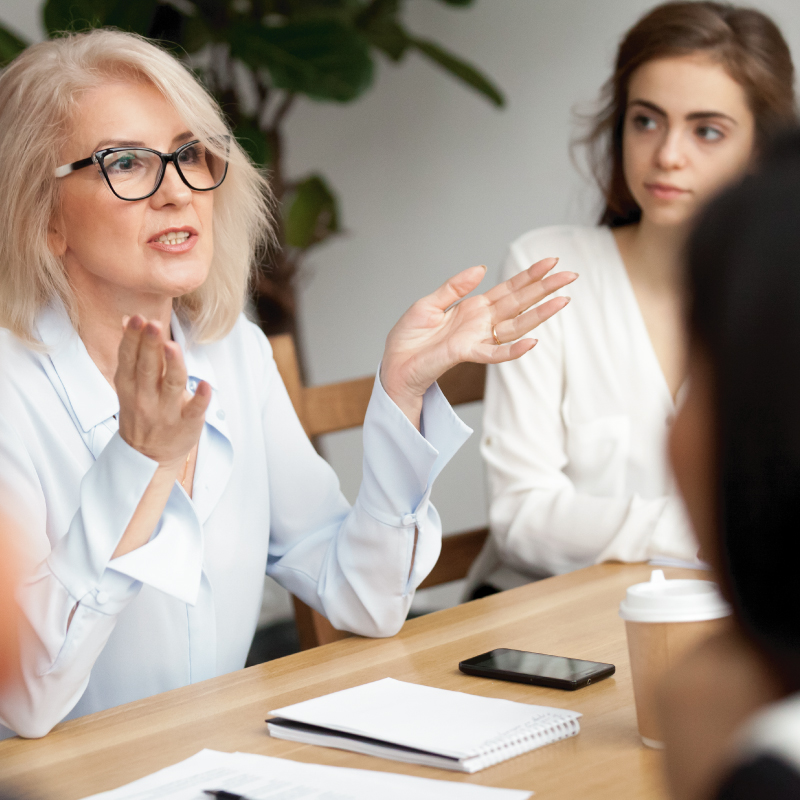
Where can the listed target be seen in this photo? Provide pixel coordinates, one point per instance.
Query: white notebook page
(449, 723)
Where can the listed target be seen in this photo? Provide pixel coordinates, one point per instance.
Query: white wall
(433, 179)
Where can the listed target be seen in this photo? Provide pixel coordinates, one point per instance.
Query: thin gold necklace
(186, 469)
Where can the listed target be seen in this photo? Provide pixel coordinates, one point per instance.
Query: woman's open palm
(438, 331)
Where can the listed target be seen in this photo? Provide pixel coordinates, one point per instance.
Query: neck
(101, 309)
(653, 253)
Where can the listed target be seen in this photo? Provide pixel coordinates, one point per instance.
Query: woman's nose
(672, 153)
(173, 191)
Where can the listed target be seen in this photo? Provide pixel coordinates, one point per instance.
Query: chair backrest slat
(336, 406)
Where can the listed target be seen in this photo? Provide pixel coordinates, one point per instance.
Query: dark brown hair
(746, 42)
(749, 331)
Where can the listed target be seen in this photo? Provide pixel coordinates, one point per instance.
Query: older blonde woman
(148, 448)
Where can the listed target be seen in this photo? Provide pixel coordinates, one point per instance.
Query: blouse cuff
(172, 561)
(400, 463)
(110, 492)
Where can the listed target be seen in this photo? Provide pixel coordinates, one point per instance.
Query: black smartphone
(555, 672)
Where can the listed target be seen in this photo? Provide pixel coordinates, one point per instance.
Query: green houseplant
(258, 57)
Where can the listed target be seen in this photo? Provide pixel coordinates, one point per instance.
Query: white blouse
(184, 607)
(575, 431)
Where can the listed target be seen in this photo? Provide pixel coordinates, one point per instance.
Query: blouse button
(409, 519)
(220, 414)
(102, 598)
(192, 385)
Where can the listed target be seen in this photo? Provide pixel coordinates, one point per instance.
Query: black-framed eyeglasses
(135, 173)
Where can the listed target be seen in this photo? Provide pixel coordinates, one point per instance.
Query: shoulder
(21, 371)
(244, 354)
(577, 247)
(590, 251)
(246, 336)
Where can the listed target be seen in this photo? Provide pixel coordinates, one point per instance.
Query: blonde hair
(39, 94)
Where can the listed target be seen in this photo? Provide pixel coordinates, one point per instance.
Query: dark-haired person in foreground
(731, 711)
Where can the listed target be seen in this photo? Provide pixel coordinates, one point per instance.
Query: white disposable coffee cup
(663, 620)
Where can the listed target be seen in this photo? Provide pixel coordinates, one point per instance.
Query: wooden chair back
(340, 406)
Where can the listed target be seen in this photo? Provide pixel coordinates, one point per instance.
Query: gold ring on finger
(494, 334)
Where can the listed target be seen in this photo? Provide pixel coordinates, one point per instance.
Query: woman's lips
(664, 191)
(183, 247)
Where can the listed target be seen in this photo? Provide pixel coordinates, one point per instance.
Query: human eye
(193, 154)
(709, 133)
(644, 122)
(126, 161)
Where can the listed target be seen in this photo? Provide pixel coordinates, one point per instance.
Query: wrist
(171, 467)
(408, 401)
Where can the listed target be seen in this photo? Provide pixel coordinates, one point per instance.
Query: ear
(56, 240)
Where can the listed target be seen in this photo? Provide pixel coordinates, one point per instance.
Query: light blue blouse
(184, 607)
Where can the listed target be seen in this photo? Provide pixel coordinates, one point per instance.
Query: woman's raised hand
(438, 332)
(157, 416)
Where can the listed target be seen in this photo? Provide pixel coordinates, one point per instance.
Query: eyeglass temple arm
(62, 172)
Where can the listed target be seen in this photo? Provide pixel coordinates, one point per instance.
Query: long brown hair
(746, 42)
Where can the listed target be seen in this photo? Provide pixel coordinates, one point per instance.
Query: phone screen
(557, 667)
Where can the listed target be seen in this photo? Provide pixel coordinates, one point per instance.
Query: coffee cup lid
(660, 600)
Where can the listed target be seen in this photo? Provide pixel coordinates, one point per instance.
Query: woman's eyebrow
(181, 137)
(118, 143)
(711, 115)
(693, 116)
(647, 104)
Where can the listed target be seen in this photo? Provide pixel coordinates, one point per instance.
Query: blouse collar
(92, 398)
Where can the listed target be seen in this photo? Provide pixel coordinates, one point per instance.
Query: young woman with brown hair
(574, 439)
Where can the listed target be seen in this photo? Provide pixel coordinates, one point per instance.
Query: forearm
(150, 508)
(56, 661)
(359, 566)
(556, 530)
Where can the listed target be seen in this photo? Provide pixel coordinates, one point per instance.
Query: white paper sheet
(265, 778)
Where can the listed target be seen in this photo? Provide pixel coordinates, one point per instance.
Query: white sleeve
(539, 521)
(354, 564)
(78, 577)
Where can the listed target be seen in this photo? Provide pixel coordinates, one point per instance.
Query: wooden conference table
(571, 615)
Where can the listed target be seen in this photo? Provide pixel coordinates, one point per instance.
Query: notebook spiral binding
(541, 734)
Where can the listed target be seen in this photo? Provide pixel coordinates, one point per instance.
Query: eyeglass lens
(134, 173)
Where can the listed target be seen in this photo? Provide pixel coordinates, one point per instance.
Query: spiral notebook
(423, 725)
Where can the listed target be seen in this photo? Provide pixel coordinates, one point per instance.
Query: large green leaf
(10, 46)
(460, 69)
(80, 15)
(75, 15)
(196, 33)
(132, 15)
(255, 143)
(313, 213)
(324, 60)
(379, 25)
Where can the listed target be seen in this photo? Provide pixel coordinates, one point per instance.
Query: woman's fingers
(494, 354)
(457, 287)
(196, 407)
(150, 364)
(510, 329)
(129, 351)
(515, 302)
(173, 384)
(534, 273)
